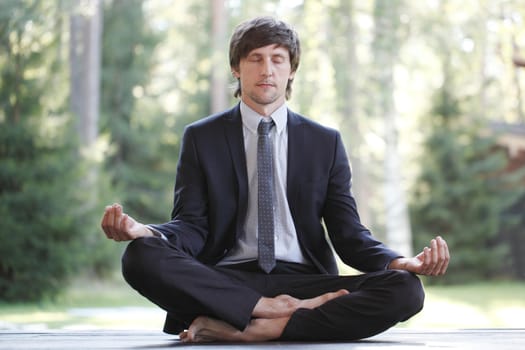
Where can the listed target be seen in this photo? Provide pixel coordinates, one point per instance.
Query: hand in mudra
(120, 226)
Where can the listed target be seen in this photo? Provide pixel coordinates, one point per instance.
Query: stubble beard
(263, 99)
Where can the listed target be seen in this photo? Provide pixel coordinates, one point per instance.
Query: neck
(265, 110)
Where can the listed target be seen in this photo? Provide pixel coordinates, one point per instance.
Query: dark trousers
(186, 289)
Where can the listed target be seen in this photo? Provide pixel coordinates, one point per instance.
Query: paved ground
(493, 339)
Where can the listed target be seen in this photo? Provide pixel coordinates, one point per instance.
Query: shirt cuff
(156, 233)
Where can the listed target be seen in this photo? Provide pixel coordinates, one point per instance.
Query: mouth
(265, 84)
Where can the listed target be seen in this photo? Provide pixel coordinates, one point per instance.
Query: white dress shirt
(286, 243)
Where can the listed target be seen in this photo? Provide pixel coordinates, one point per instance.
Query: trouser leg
(377, 301)
(184, 287)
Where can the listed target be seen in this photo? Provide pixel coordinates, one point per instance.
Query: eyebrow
(257, 54)
(276, 47)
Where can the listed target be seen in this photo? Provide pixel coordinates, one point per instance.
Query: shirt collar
(251, 118)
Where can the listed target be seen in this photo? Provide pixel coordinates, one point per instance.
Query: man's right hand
(120, 226)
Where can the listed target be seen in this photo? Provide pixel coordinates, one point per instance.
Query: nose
(267, 68)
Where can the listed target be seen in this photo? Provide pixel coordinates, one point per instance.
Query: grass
(86, 304)
(113, 305)
(480, 305)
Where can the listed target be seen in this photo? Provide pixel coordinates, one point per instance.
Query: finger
(117, 209)
(439, 256)
(435, 264)
(426, 261)
(117, 218)
(113, 221)
(442, 263)
(105, 222)
(445, 255)
(124, 223)
(110, 221)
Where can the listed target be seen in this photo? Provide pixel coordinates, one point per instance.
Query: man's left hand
(431, 261)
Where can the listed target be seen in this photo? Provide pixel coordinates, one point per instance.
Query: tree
(139, 164)
(462, 190)
(42, 231)
(386, 46)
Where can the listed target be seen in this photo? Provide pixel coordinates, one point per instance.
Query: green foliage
(462, 193)
(40, 239)
(514, 233)
(41, 233)
(140, 167)
(156, 64)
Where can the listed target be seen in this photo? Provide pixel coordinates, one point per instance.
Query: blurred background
(94, 94)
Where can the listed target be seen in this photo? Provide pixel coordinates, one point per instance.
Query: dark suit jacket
(211, 192)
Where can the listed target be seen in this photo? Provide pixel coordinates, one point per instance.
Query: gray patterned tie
(265, 197)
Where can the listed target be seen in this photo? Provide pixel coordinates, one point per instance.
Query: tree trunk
(85, 61)
(219, 83)
(344, 57)
(85, 58)
(518, 63)
(386, 46)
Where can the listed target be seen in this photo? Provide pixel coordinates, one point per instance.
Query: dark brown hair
(259, 32)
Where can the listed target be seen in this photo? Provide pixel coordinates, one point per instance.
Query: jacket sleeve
(352, 241)
(188, 227)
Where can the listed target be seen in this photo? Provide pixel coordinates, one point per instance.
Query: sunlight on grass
(143, 318)
(36, 317)
(86, 304)
(483, 305)
(120, 318)
(450, 314)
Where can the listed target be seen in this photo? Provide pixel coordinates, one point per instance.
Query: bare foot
(320, 300)
(285, 305)
(271, 316)
(205, 329)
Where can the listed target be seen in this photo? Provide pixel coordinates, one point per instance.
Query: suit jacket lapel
(234, 137)
(295, 149)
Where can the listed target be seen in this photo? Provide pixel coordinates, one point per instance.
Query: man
(256, 171)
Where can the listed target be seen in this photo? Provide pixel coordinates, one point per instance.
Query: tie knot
(264, 127)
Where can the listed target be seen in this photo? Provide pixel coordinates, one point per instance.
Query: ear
(235, 73)
(292, 76)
